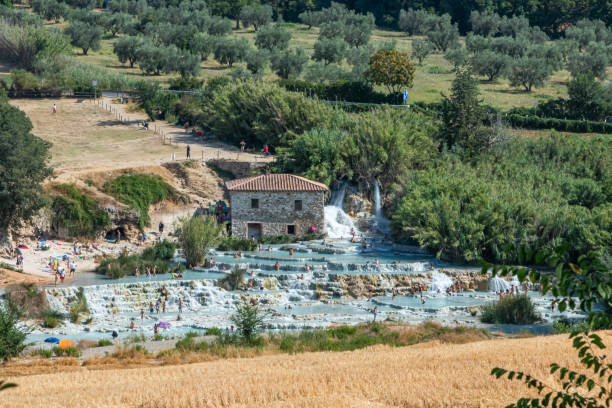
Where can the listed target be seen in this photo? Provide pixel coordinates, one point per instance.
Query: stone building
(276, 204)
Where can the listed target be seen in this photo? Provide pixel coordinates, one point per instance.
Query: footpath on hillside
(201, 148)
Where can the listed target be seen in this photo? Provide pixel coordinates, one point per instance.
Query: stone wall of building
(239, 169)
(276, 212)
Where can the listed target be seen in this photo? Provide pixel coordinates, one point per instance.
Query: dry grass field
(425, 375)
(87, 138)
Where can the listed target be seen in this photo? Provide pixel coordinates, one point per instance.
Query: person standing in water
(188, 152)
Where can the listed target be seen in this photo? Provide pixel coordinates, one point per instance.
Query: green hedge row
(577, 126)
(348, 91)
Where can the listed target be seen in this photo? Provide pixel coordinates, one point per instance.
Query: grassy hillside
(432, 78)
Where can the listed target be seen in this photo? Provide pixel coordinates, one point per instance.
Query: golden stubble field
(426, 375)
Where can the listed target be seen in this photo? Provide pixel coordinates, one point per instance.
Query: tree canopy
(23, 166)
(392, 69)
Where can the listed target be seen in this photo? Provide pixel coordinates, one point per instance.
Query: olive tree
(220, 26)
(329, 50)
(256, 15)
(485, 23)
(490, 64)
(421, 49)
(289, 64)
(457, 56)
(257, 60)
(84, 36)
(272, 37)
(230, 50)
(203, 44)
(443, 33)
(596, 64)
(126, 49)
(358, 29)
(529, 72)
(119, 23)
(414, 22)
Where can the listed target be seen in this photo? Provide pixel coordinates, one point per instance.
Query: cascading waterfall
(337, 223)
(497, 284)
(381, 222)
(440, 282)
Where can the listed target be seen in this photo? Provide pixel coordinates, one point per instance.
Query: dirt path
(176, 135)
(151, 346)
(86, 137)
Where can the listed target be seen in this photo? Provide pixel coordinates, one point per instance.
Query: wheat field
(425, 375)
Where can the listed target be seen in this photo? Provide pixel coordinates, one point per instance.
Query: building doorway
(254, 231)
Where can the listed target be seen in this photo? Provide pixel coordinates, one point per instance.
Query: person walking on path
(242, 146)
(266, 150)
(54, 108)
(188, 152)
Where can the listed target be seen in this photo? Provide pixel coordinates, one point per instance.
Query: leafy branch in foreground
(6, 385)
(575, 286)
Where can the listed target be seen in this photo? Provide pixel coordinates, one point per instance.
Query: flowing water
(324, 282)
(337, 222)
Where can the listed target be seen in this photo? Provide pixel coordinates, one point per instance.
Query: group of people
(265, 150)
(514, 290)
(60, 272)
(147, 270)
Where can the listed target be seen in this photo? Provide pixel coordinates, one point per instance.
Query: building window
(254, 202)
(290, 229)
(298, 205)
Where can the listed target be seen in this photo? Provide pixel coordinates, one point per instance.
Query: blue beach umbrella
(52, 340)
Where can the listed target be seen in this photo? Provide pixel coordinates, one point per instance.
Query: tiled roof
(275, 182)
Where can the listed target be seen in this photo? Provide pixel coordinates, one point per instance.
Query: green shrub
(243, 111)
(249, 321)
(52, 318)
(197, 235)
(67, 352)
(467, 211)
(123, 265)
(515, 309)
(576, 126)
(234, 280)
(213, 331)
(340, 91)
(139, 191)
(43, 353)
(79, 306)
(564, 326)
(12, 339)
(185, 344)
(78, 213)
(237, 244)
(104, 343)
(342, 332)
(161, 250)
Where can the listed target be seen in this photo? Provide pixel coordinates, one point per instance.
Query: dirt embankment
(91, 146)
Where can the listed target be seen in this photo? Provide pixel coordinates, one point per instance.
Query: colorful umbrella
(64, 344)
(164, 325)
(23, 247)
(52, 340)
